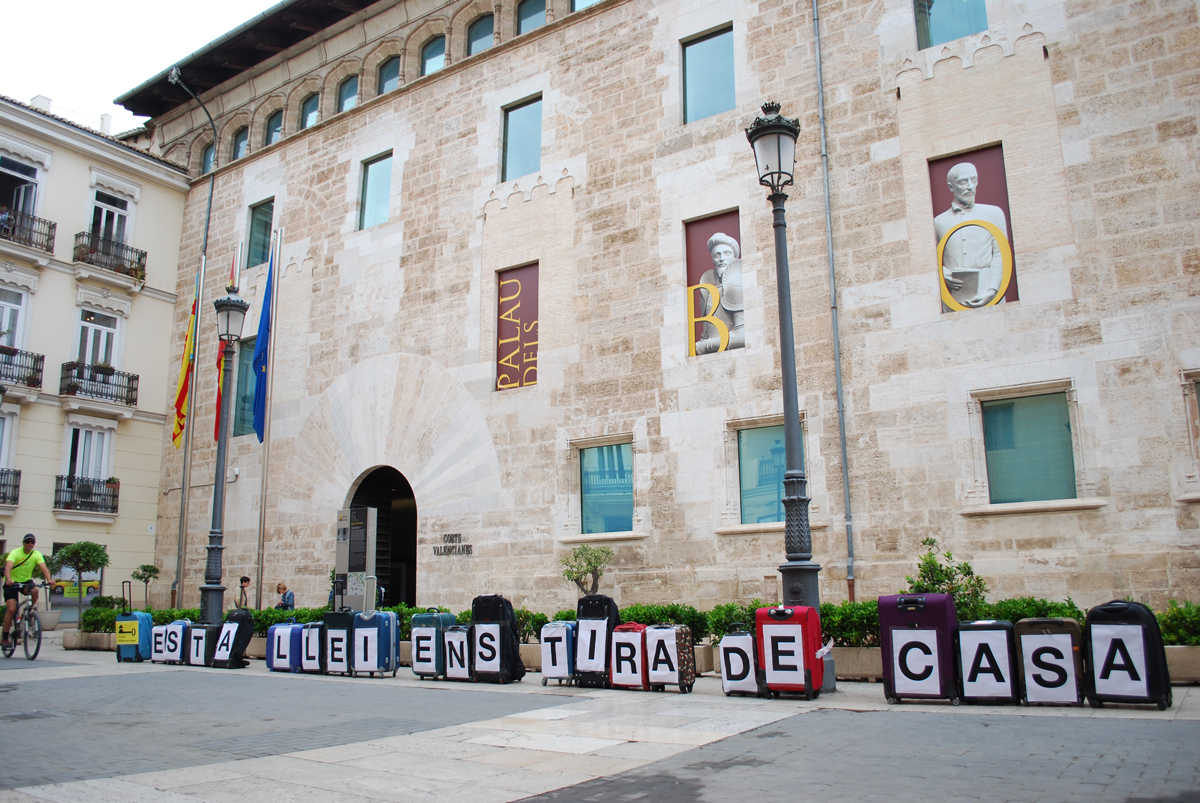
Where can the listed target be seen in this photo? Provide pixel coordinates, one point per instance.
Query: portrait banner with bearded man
(715, 311)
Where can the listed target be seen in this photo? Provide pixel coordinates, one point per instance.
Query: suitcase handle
(432, 610)
(780, 613)
(910, 603)
(126, 596)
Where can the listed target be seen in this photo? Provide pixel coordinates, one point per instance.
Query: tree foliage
(81, 557)
(145, 574)
(586, 562)
(956, 579)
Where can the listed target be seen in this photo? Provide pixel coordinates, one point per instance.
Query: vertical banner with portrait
(971, 223)
(715, 313)
(516, 327)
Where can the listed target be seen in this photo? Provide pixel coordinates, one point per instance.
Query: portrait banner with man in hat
(715, 311)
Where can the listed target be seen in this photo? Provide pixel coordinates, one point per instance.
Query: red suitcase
(788, 639)
(627, 664)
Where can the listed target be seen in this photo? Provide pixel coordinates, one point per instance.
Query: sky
(82, 54)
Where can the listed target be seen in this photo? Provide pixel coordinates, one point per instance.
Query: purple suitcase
(916, 634)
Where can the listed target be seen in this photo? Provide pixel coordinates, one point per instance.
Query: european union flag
(262, 348)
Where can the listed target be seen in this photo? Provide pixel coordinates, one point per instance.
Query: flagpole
(262, 493)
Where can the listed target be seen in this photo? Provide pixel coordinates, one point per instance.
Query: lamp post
(773, 138)
(175, 78)
(231, 314)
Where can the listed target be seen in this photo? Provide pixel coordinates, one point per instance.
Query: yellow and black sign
(127, 632)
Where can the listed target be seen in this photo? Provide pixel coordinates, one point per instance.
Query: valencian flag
(184, 386)
(261, 350)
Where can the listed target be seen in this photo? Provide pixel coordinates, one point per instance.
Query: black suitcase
(597, 616)
(987, 662)
(495, 644)
(1124, 648)
(339, 643)
(234, 638)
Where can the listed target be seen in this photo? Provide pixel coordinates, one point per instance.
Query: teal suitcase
(428, 648)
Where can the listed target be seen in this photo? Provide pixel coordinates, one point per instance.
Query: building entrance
(386, 490)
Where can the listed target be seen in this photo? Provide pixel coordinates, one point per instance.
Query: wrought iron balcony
(98, 382)
(21, 367)
(110, 254)
(34, 232)
(10, 486)
(86, 493)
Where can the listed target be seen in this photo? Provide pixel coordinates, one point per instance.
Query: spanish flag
(184, 386)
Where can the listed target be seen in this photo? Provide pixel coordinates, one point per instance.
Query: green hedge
(1180, 623)
(851, 624)
(674, 614)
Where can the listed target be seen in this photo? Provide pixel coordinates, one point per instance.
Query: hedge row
(849, 624)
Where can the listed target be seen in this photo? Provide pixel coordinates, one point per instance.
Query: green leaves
(956, 579)
(586, 562)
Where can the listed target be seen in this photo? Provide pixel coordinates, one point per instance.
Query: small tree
(586, 561)
(956, 579)
(81, 556)
(145, 574)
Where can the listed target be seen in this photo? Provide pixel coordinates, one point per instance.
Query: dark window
(208, 158)
(708, 76)
(309, 110)
(260, 233)
(479, 35)
(348, 94)
(531, 15)
(522, 139)
(389, 75)
(947, 20)
(241, 142)
(433, 55)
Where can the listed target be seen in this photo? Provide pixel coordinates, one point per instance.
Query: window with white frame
(18, 186)
(762, 460)
(1029, 448)
(7, 427)
(97, 337)
(109, 217)
(940, 21)
(88, 452)
(606, 488)
(12, 302)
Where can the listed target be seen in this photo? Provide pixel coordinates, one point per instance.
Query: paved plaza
(96, 730)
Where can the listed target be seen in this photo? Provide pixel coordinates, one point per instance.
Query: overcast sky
(82, 55)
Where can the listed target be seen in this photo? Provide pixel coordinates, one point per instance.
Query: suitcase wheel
(955, 700)
(687, 689)
(658, 687)
(774, 695)
(893, 700)
(544, 680)
(1095, 702)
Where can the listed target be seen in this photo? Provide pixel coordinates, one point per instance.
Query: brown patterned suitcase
(670, 657)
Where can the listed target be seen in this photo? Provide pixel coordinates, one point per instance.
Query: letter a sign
(1119, 660)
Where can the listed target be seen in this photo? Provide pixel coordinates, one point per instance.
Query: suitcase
(987, 662)
(168, 643)
(285, 646)
(627, 663)
(1051, 661)
(670, 657)
(457, 639)
(375, 643)
(558, 652)
(312, 640)
(596, 618)
(916, 637)
(202, 644)
(428, 643)
(133, 628)
(233, 639)
(339, 645)
(496, 649)
(788, 639)
(738, 657)
(1125, 652)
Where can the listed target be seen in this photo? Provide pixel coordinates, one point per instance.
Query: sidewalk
(571, 736)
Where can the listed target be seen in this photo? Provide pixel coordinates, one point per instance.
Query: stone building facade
(88, 248)
(389, 337)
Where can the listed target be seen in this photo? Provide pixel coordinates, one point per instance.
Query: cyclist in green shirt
(18, 571)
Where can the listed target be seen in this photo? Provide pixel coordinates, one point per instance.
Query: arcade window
(580, 5)
(479, 34)
(389, 75)
(940, 21)
(708, 75)
(1029, 448)
(606, 488)
(274, 129)
(522, 139)
(531, 15)
(347, 97)
(260, 233)
(761, 464)
(433, 55)
(243, 399)
(376, 187)
(310, 110)
(241, 143)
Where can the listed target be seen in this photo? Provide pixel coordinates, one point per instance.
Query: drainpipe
(833, 307)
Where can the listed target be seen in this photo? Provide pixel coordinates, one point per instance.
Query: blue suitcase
(312, 657)
(428, 645)
(285, 646)
(169, 642)
(375, 643)
(134, 629)
(558, 652)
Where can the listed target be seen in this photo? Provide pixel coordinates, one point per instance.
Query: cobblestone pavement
(102, 731)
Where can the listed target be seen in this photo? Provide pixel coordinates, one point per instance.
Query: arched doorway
(386, 490)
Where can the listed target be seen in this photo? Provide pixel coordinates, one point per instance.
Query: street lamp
(231, 314)
(773, 138)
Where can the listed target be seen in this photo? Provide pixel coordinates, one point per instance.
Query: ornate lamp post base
(800, 583)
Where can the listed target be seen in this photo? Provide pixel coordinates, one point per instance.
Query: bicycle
(27, 627)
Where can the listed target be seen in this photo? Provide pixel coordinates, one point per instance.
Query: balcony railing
(86, 493)
(21, 367)
(34, 232)
(110, 254)
(607, 480)
(98, 382)
(10, 486)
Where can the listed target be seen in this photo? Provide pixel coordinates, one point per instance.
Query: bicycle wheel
(33, 635)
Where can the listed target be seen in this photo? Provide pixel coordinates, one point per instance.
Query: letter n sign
(1118, 660)
(457, 667)
(915, 662)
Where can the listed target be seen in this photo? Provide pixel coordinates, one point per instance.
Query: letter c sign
(915, 662)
